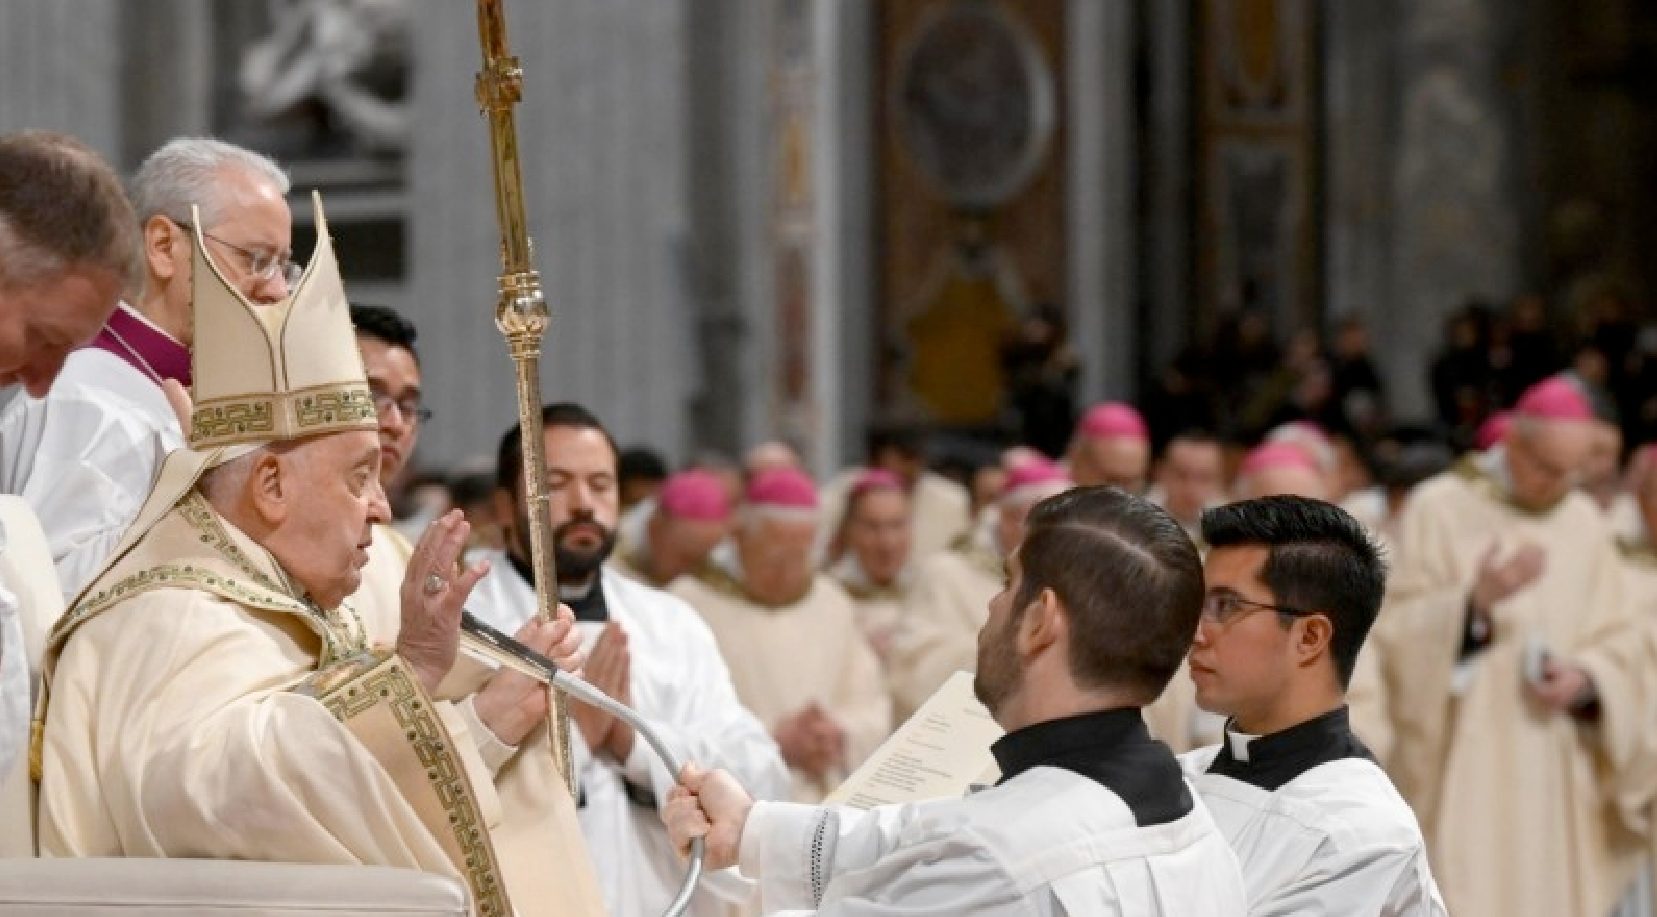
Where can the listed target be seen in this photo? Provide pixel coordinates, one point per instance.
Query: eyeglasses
(409, 408)
(1226, 608)
(262, 265)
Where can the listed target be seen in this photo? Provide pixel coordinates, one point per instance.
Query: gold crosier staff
(521, 315)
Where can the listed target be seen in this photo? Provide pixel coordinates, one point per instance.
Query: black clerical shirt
(1112, 748)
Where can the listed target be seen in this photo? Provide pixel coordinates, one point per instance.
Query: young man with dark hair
(643, 647)
(1090, 816)
(1293, 586)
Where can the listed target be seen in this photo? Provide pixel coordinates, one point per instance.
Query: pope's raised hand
(434, 593)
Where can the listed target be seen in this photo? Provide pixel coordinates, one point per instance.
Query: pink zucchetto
(1113, 420)
(1277, 455)
(1311, 439)
(1493, 430)
(782, 488)
(695, 495)
(1034, 478)
(875, 479)
(1554, 399)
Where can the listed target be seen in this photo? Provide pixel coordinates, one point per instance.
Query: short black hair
(509, 459)
(1318, 559)
(383, 324)
(640, 464)
(1129, 579)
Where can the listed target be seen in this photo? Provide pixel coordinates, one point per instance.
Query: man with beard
(1090, 816)
(645, 648)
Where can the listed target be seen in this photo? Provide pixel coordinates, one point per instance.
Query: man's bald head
(1547, 458)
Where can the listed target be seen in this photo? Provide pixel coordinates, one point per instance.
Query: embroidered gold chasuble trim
(371, 692)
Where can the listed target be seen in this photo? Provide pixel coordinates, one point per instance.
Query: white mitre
(262, 373)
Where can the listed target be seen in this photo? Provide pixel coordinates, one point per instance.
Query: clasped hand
(710, 805)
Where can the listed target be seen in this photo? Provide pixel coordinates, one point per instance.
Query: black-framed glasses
(262, 265)
(408, 407)
(1225, 608)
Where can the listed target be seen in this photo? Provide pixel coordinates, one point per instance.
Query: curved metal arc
(505, 651)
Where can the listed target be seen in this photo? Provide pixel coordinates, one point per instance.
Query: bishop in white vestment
(790, 636)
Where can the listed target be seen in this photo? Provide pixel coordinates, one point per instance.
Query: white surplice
(85, 455)
(680, 683)
(1046, 843)
(1338, 839)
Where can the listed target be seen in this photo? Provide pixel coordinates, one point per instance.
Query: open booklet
(942, 751)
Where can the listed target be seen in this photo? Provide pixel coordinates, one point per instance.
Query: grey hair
(187, 170)
(222, 485)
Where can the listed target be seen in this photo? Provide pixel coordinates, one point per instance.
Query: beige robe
(1526, 813)
(782, 659)
(879, 608)
(938, 635)
(180, 721)
(1640, 561)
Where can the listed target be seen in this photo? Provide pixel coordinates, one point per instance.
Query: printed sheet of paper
(939, 753)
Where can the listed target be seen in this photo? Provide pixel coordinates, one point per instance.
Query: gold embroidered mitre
(275, 372)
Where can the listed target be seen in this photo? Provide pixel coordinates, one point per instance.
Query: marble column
(603, 133)
(1102, 219)
(60, 69)
(1455, 211)
(1165, 258)
(1360, 87)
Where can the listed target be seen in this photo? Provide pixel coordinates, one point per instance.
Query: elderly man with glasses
(84, 455)
(1518, 675)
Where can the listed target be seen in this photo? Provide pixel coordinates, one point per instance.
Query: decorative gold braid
(332, 407)
(350, 694)
(1638, 551)
(1469, 470)
(244, 416)
(199, 513)
(338, 640)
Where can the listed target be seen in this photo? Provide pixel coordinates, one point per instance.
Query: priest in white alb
(645, 649)
(876, 533)
(1293, 586)
(1090, 815)
(790, 636)
(84, 455)
(257, 718)
(1517, 676)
